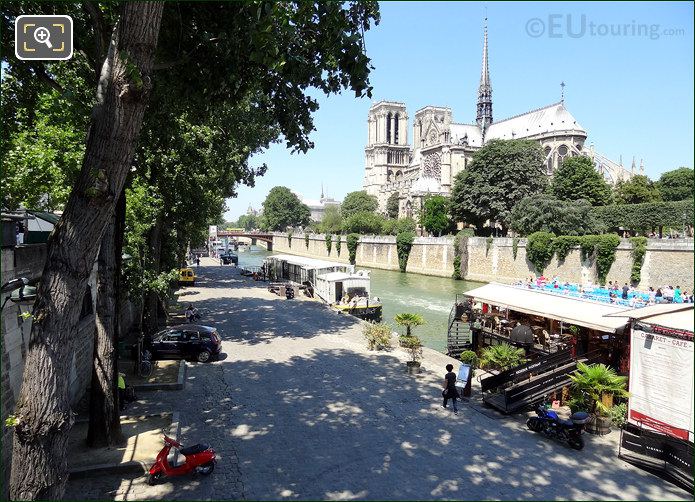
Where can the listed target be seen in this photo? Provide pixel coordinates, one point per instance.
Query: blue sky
(628, 69)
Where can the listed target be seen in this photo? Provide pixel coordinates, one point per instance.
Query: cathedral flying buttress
(442, 148)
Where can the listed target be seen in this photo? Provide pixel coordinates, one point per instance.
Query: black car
(186, 341)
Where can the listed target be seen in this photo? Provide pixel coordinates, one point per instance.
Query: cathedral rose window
(432, 166)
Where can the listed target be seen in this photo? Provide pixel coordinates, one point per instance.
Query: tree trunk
(39, 466)
(104, 417)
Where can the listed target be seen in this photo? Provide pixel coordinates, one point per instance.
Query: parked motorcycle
(553, 426)
(199, 458)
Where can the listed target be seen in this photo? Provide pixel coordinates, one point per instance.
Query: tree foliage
(539, 249)
(636, 190)
(404, 243)
(392, 205)
(577, 178)
(363, 223)
(394, 227)
(678, 184)
(435, 215)
(358, 202)
(501, 175)
(332, 221)
(352, 241)
(543, 213)
(645, 217)
(282, 209)
(248, 222)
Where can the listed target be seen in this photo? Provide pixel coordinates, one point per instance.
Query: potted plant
(470, 358)
(596, 385)
(409, 320)
(378, 336)
(502, 357)
(413, 345)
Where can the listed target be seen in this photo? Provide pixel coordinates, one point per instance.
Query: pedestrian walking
(450, 391)
(197, 261)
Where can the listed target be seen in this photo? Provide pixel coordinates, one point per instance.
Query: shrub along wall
(506, 260)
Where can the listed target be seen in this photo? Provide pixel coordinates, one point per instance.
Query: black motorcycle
(553, 426)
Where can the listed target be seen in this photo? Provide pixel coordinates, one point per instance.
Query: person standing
(626, 290)
(450, 391)
(197, 261)
(677, 298)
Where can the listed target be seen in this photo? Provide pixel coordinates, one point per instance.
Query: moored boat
(336, 284)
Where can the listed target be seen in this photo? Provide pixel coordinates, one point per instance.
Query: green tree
(408, 320)
(247, 222)
(577, 178)
(548, 214)
(332, 221)
(502, 174)
(282, 209)
(265, 56)
(392, 205)
(636, 190)
(363, 223)
(358, 202)
(394, 227)
(435, 214)
(676, 185)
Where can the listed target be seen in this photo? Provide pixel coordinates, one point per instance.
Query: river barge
(336, 284)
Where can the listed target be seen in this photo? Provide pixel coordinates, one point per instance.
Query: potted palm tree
(502, 357)
(411, 343)
(596, 385)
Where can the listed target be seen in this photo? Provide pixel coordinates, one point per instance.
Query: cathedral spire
(484, 112)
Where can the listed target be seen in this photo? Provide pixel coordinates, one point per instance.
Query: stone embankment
(667, 262)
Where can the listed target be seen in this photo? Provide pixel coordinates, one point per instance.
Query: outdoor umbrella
(522, 334)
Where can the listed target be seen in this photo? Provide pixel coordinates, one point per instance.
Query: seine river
(431, 297)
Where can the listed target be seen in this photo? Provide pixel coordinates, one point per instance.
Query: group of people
(612, 293)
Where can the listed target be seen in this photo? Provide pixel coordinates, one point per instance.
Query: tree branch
(100, 28)
(40, 71)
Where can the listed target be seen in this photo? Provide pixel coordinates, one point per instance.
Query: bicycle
(146, 366)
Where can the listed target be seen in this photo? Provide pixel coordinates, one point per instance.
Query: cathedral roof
(471, 132)
(549, 119)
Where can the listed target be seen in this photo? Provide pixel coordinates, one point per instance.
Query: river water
(431, 297)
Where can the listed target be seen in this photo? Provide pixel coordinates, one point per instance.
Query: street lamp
(19, 290)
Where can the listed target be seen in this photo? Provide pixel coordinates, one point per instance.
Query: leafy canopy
(636, 190)
(435, 214)
(392, 205)
(678, 184)
(502, 174)
(577, 178)
(282, 209)
(358, 202)
(363, 223)
(332, 221)
(543, 213)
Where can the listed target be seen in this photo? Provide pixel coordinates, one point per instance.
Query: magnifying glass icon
(43, 36)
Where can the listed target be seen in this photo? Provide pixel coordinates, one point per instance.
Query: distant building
(442, 148)
(318, 207)
(251, 211)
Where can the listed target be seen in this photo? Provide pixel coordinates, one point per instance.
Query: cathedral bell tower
(387, 153)
(484, 112)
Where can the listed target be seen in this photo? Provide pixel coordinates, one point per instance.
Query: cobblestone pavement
(297, 408)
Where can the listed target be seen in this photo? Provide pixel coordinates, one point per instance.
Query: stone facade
(666, 262)
(28, 261)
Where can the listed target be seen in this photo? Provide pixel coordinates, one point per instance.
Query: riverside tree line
(138, 139)
(506, 188)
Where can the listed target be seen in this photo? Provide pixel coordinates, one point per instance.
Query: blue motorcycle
(553, 426)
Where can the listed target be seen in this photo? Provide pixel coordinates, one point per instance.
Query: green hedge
(539, 249)
(647, 216)
(352, 241)
(329, 242)
(337, 244)
(404, 242)
(639, 249)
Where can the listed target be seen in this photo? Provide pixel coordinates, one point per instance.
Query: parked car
(186, 277)
(186, 341)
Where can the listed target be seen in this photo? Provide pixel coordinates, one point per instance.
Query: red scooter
(199, 458)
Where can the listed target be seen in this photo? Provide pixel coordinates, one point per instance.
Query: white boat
(336, 284)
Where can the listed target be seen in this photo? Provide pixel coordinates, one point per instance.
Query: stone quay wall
(666, 262)
(429, 255)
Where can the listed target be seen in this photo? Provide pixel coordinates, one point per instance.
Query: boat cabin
(336, 286)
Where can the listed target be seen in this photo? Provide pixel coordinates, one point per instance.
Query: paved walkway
(299, 409)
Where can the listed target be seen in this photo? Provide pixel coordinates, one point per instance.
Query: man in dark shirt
(626, 290)
(450, 391)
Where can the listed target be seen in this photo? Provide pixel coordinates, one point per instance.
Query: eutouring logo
(579, 26)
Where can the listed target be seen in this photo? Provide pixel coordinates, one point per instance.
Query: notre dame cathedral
(442, 148)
